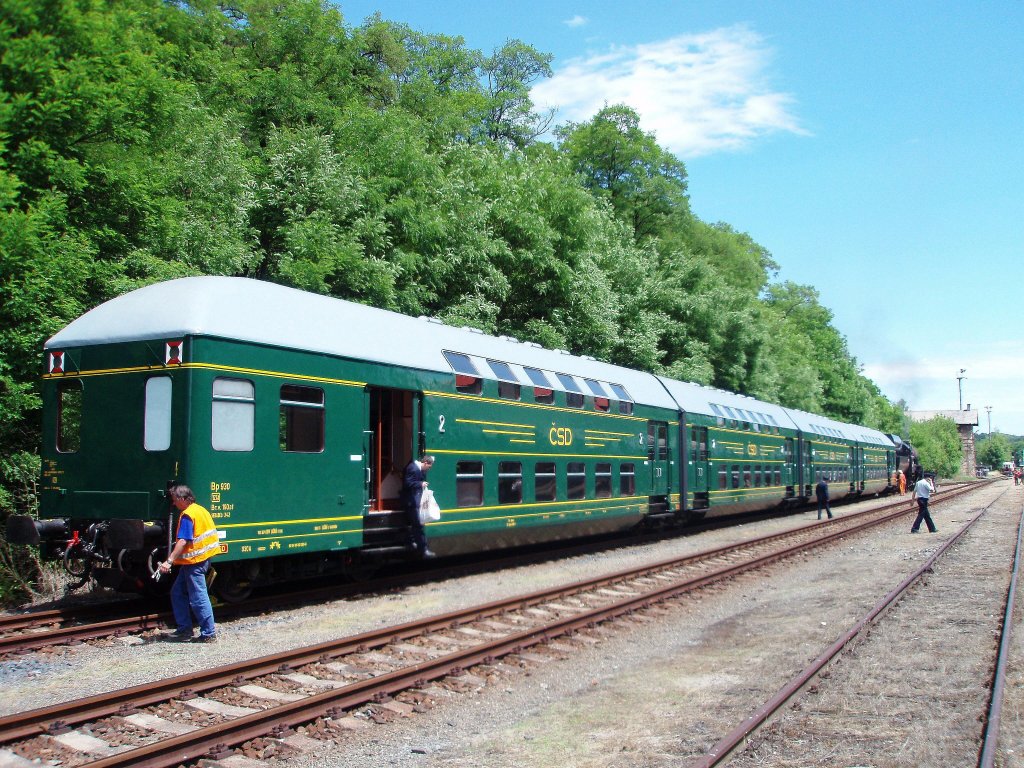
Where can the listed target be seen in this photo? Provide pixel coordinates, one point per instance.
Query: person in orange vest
(196, 541)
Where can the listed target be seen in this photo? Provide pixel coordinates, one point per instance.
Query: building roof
(960, 418)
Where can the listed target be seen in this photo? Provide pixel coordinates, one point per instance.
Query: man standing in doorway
(413, 482)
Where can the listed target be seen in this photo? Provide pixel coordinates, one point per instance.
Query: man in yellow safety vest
(196, 541)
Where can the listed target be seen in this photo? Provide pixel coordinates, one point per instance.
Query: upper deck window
(542, 391)
(538, 377)
(508, 384)
(156, 430)
(569, 383)
(601, 401)
(467, 377)
(573, 393)
(69, 416)
(625, 401)
(461, 363)
(301, 421)
(234, 415)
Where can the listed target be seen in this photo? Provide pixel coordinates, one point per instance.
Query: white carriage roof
(823, 425)
(694, 398)
(266, 313)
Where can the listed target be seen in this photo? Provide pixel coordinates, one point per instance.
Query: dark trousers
(828, 508)
(922, 514)
(419, 538)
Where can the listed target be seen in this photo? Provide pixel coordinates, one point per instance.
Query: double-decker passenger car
(292, 416)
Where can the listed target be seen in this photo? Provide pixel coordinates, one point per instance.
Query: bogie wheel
(359, 569)
(77, 561)
(234, 582)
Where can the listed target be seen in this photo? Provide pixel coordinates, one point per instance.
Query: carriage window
(469, 483)
(461, 364)
(508, 384)
(510, 482)
(508, 391)
(603, 481)
(467, 378)
(234, 415)
(657, 441)
(573, 393)
(576, 475)
(538, 377)
(625, 402)
(468, 385)
(735, 475)
(601, 404)
(627, 480)
(746, 476)
(69, 416)
(596, 388)
(542, 391)
(778, 477)
(302, 419)
(544, 481)
(156, 429)
(723, 479)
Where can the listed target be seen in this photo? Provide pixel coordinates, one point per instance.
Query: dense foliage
(993, 450)
(938, 445)
(147, 139)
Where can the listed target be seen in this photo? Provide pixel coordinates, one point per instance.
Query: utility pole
(960, 386)
(988, 408)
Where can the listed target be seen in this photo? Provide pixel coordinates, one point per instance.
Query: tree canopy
(148, 139)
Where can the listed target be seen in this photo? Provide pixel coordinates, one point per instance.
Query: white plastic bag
(429, 511)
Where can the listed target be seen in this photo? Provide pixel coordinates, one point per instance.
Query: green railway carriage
(854, 460)
(292, 416)
(740, 451)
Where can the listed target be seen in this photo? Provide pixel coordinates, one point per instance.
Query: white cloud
(698, 93)
(576, 21)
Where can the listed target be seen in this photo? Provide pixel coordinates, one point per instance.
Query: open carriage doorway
(390, 446)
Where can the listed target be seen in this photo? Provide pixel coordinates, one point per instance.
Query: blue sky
(875, 148)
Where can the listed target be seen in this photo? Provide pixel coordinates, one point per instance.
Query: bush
(938, 445)
(20, 567)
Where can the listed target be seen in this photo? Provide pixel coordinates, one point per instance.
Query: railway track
(376, 670)
(747, 730)
(34, 630)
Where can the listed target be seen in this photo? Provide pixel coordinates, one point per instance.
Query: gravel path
(659, 692)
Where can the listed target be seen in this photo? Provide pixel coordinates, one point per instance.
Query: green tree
(938, 445)
(510, 118)
(618, 161)
(993, 450)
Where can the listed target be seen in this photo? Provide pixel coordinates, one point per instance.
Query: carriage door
(388, 444)
(699, 462)
(657, 457)
(789, 473)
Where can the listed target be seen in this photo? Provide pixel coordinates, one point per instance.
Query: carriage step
(387, 550)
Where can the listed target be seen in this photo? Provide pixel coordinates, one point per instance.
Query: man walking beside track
(821, 491)
(196, 541)
(922, 492)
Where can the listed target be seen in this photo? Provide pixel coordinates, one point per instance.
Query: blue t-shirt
(186, 529)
